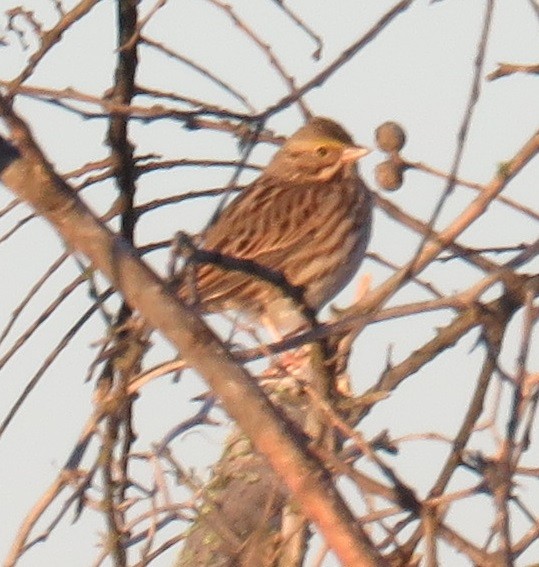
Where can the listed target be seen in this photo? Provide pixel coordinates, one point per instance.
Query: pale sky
(417, 72)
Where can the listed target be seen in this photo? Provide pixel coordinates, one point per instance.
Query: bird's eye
(322, 151)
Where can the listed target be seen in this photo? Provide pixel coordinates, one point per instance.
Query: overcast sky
(418, 72)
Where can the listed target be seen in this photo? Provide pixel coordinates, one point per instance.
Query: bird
(307, 217)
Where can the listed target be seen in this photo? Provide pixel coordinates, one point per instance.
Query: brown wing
(293, 230)
(265, 222)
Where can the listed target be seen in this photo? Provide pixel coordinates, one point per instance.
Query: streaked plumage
(308, 216)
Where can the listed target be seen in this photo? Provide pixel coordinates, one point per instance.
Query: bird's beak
(354, 153)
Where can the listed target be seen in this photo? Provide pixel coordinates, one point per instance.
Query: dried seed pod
(390, 137)
(389, 174)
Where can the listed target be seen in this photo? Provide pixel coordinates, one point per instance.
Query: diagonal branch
(35, 181)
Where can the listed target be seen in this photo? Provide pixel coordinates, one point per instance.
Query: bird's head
(316, 153)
